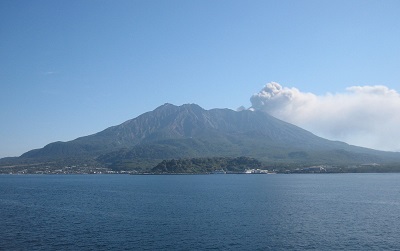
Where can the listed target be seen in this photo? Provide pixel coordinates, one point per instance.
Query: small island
(206, 165)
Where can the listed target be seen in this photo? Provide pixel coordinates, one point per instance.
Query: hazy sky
(72, 68)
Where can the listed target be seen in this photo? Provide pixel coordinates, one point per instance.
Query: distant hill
(189, 131)
(206, 165)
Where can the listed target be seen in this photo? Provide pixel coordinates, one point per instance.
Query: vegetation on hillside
(206, 165)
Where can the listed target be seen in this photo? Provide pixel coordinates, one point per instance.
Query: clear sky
(72, 68)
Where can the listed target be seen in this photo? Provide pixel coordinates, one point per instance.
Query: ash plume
(367, 116)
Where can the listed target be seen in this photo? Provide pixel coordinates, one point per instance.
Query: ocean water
(200, 212)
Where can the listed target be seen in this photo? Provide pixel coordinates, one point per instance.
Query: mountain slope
(190, 131)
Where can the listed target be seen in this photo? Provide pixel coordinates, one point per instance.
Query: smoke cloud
(366, 116)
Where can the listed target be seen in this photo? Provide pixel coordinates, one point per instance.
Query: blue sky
(72, 68)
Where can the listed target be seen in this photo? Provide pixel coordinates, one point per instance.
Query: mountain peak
(186, 106)
(189, 130)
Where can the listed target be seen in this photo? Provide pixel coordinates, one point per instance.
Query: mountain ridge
(185, 131)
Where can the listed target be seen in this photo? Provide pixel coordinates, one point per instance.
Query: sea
(200, 212)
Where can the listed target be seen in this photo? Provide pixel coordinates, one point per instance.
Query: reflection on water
(275, 212)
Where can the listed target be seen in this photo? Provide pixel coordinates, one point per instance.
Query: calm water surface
(199, 212)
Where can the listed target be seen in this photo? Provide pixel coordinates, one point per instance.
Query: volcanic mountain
(190, 131)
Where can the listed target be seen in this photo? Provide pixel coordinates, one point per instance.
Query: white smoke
(367, 116)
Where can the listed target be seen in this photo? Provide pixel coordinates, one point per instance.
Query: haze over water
(237, 212)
